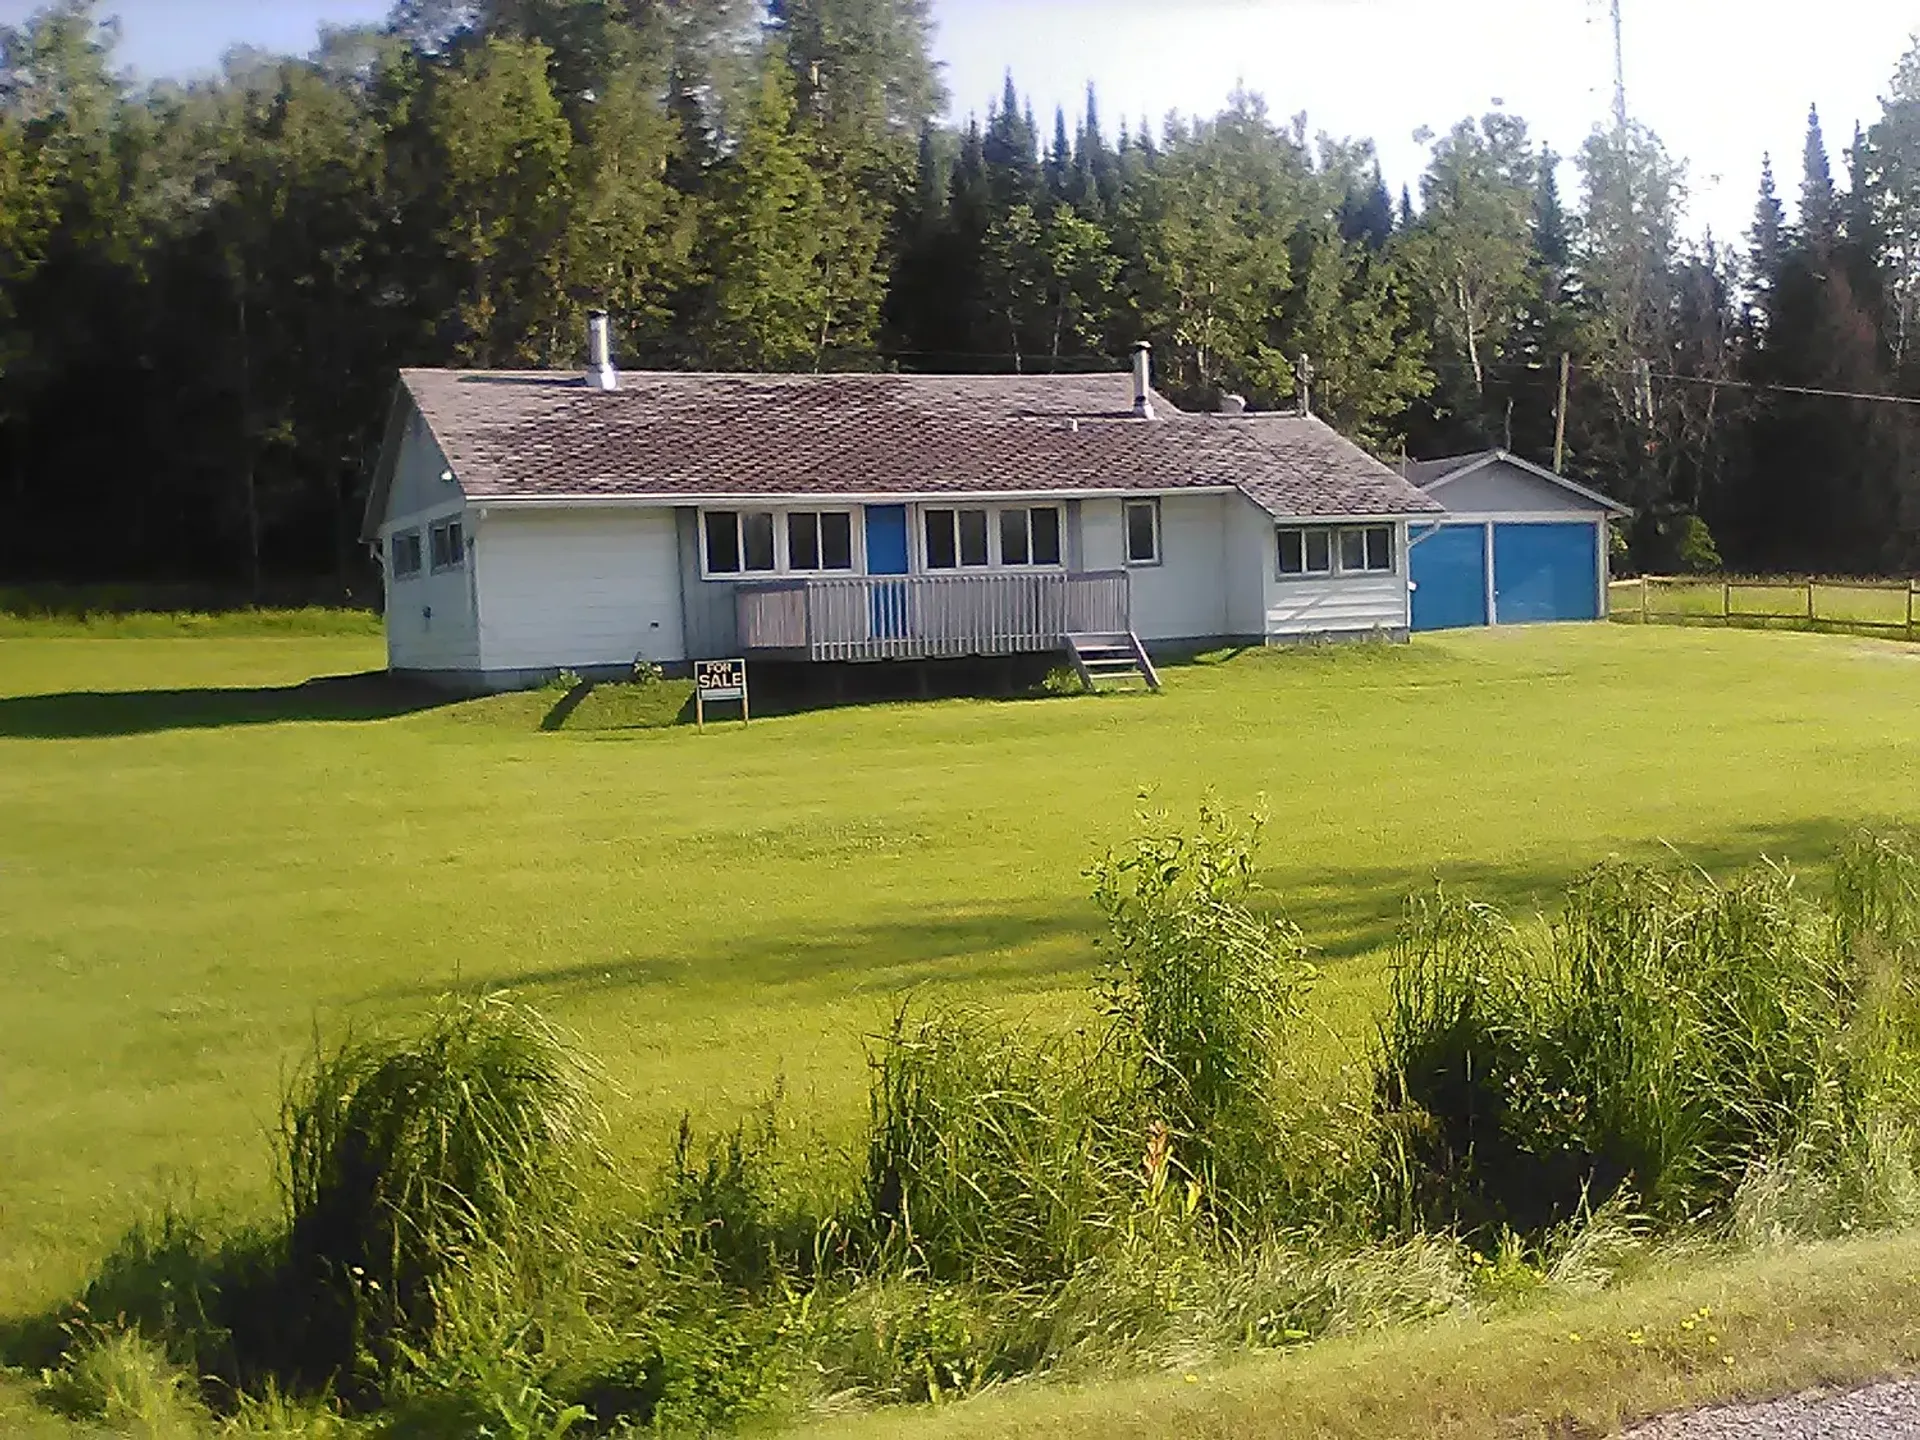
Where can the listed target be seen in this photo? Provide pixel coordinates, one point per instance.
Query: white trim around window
(404, 554)
(957, 538)
(761, 543)
(1313, 552)
(447, 544)
(1140, 532)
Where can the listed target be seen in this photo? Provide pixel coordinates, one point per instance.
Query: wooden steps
(1115, 657)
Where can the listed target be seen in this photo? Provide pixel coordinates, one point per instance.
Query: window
(1366, 551)
(404, 552)
(768, 542)
(449, 546)
(819, 540)
(974, 539)
(1322, 550)
(1306, 552)
(1143, 532)
(957, 539)
(1030, 536)
(740, 542)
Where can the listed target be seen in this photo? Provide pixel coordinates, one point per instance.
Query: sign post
(720, 681)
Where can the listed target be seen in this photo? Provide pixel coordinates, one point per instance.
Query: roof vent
(1143, 381)
(1233, 404)
(600, 372)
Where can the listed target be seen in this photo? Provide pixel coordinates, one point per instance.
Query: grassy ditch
(1676, 1068)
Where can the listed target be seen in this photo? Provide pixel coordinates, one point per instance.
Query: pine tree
(1819, 209)
(1059, 163)
(1767, 241)
(1366, 212)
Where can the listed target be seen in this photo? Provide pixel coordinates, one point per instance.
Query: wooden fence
(1869, 607)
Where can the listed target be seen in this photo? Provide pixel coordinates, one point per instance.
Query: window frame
(410, 537)
(1336, 539)
(1152, 506)
(996, 550)
(454, 531)
(783, 566)
(1306, 534)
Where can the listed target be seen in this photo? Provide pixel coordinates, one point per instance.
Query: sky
(1712, 77)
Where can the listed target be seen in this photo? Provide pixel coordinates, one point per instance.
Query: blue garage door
(1449, 574)
(1546, 572)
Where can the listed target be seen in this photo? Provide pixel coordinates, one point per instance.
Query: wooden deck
(929, 617)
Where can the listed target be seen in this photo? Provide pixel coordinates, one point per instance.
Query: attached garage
(1520, 545)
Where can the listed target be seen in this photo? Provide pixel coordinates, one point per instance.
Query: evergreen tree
(1366, 212)
(1767, 241)
(1819, 209)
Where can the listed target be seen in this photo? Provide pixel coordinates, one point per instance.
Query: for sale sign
(719, 681)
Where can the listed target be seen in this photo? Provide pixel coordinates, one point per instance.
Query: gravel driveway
(1879, 1412)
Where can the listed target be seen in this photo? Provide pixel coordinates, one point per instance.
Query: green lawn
(202, 865)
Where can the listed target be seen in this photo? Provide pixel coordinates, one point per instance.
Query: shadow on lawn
(86, 714)
(1021, 949)
(1353, 912)
(885, 957)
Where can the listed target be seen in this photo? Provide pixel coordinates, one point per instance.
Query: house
(532, 522)
(1519, 545)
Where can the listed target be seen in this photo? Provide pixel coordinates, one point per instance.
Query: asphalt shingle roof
(1430, 472)
(533, 436)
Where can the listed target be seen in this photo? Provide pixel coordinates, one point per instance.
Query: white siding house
(532, 523)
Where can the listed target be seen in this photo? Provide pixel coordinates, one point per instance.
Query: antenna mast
(1619, 70)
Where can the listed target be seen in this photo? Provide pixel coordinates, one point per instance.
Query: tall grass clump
(1198, 989)
(1671, 1039)
(1000, 1157)
(416, 1165)
(989, 1153)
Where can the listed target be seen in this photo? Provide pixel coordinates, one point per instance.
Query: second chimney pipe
(1143, 380)
(600, 372)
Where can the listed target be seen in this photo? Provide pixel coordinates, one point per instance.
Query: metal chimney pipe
(1143, 381)
(600, 372)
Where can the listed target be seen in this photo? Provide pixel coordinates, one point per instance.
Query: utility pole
(1560, 417)
(1619, 70)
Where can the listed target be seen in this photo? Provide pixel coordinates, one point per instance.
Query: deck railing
(925, 617)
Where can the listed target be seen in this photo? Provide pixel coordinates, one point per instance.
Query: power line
(1760, 387)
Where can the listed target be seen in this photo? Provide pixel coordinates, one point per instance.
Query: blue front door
(886, 539)
(1546, 572)
(1449, 573)
(887, 555)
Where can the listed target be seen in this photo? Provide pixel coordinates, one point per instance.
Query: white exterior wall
(1252, 556)
(1184, 597)
(1337, 604)
(1102, 541)
(431, 618)
(578, 588)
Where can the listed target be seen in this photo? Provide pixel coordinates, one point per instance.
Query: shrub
(409, 1163)
(1677, 1038)
(1695, 547)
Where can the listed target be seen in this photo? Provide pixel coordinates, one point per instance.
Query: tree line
(206, 288)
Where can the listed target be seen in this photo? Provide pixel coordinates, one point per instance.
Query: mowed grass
(204, 858)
